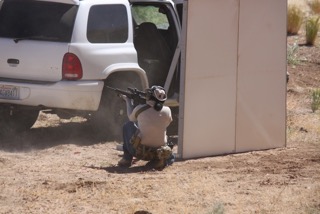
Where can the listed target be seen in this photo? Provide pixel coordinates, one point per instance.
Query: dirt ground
(59, 166)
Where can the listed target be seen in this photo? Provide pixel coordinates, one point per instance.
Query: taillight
(71, 67)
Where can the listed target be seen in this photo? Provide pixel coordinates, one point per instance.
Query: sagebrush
(292, 58)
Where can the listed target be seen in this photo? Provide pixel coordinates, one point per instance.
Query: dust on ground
(60, 166)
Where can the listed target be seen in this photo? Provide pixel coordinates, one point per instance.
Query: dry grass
(300, 3)
(312, 28)
(314, 6)
(295, 19)
(315, 104)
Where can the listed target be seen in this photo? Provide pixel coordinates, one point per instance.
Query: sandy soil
(59, 166)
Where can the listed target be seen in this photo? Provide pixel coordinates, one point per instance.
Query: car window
(154, 14)
(38, 20)
(107, 24)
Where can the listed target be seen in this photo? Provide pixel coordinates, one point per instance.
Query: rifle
(138, 97)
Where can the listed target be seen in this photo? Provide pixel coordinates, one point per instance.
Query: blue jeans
(129, 129)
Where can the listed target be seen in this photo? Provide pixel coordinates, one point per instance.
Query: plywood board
(261, 84)
(210, 78)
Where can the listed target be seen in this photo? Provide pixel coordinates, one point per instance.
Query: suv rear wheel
(110, 117)
(112, 112)
(17, 119)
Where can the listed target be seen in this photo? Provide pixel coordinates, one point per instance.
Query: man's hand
(129, 103)
(124, 97)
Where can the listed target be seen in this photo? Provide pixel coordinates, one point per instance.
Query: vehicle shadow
(39, 138)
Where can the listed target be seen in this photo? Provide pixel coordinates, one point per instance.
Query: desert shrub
(312, 28)
(314, 6)
(292, 58)
(295, 19)
(315, 103)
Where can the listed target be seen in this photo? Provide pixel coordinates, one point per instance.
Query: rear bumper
(77, 95)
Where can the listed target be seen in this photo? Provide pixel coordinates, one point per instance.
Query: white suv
(59, 55)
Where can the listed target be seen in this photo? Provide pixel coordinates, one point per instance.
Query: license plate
(9, 92)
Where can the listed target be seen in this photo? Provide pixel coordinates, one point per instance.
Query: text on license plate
(9, 92)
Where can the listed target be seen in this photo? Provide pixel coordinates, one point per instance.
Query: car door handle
(13, 61)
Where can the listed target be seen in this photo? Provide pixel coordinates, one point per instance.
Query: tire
(108, 121)
(17, 120)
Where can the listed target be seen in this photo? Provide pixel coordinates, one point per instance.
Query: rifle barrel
(133, 93)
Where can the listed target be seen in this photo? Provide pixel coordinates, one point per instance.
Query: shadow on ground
(124, 170)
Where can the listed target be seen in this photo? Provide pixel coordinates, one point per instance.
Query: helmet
(157, 92)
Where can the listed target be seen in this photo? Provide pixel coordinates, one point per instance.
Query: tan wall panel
(261, 94)
(210, 78)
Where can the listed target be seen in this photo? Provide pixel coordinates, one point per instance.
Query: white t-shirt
(152, 125)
